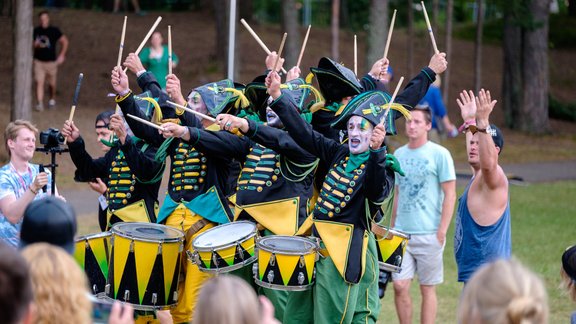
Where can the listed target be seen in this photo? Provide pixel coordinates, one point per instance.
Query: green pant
(336, 301)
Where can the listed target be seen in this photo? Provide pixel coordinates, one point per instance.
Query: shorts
(45, 71)
(423, 256)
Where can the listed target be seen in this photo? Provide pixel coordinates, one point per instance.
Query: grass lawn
(542, 227)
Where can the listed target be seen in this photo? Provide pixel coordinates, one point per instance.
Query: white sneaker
(39, 107)
(51, 103)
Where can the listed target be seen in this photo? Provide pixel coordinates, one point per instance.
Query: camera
(51, 138)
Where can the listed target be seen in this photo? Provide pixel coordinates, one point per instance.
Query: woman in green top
(155, 58)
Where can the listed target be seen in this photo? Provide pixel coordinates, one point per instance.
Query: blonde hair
(504, 292)
(242, 304)
(11, 131)
(60, 286)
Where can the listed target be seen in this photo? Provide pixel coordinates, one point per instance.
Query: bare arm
(449, 189)
(63, 41)
(13, 208)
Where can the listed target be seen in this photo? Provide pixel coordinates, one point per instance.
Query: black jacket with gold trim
(127, 166)
(275, 184)
(347, 201)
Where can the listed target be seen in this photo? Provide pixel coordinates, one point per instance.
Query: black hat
(569, 262)
(257, 94)
(335, 80)
(370, 105)
(49, 220)
(221, 96)
(497, 136)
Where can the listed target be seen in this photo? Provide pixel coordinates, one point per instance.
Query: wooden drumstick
(389, 35)
(199, 114)
(75, 100)
(169, 49)
(303, 46)
(355, 56)
(280, 51)
(122, 42)
(145, 40)
(391, 101)
(429, 28)
(258, 40)
(144, 121)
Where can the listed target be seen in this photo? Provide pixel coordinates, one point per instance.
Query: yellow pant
(182, 218)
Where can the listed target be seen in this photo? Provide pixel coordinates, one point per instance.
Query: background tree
(410, 45)
(478, 45)
(526, 75)
(22, 82)
(290, 26)
(378, 31)
(335, 29)
(448, 49)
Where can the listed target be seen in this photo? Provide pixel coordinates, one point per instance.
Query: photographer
(20, 181)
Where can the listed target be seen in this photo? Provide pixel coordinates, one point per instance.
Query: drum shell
(92, 252)
(391, 249)
(144, 270)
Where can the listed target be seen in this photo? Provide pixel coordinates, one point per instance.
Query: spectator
(441, 124)
(568, 273)
(46, 62)
(50, 220)
(482, 231)
(20, 181)
(60, 286)
(155, 58)
(135, 4)
(423, 206)
(243, 306)
(15, 288)
(504, 292)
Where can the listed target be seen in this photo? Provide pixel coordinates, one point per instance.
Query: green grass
(542, 227)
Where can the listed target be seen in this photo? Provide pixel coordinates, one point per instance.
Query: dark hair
(425, 109)
(42, 12)
(104, 116)
(15, 285)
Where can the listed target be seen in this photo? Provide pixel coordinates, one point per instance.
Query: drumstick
(303, 46)
(199, 114)
(355, 56)
(144, 121)
(391, 101)
(169, 49)
(389, 35)
(429, 28)
(122, 42)
(258, 40)
(75, 99)
(280, 51)
(147, 37)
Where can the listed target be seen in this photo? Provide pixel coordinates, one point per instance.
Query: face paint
(359, 133)
(272, 118)
(196, 103)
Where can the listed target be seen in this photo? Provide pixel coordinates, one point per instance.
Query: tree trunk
(335, 27)
(435, 18)
(290, 26)
(378, 31)
(526, 80)
(572, 8)
(22, 82)
(448, 47)
(7, 8)
(478, 47)
(220, 14)
(410, 47)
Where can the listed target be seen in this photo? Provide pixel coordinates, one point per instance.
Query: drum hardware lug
(87, 245)
(132, 246)
(214, 259)
(159, 249)
(126, 295)
(313, 275)
(154, 298)
(196, 257)
(255, 270)
(272, 261)
(95, 289)
(181, 248)
(107, 289)
(239, 251)
(302, 261)
(175, 296)
(300, 278)
(270, 276)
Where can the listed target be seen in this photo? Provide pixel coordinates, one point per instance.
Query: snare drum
(92, 254)
(144, 265)
(390, 248)
(286, 262)
(224, 248)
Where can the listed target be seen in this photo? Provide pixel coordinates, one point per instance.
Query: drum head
(286, 244)
(147, 231)
(224, 234)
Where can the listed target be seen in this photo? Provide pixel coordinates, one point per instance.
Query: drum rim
(245, 238)
(92, 236)
(394, 232)
(389, 267)
(224, 269)
(115, 232)
(315, 245)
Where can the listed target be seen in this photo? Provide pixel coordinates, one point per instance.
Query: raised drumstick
(122, 42)
(303, 46)
(258, 40)
(145, 40)
(391, 100)
(280, 51)
(389, 35)
(169, 49)
(429, 28)
(144, 121)
(355, 56)
(75, 99)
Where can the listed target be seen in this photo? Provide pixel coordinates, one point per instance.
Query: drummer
(129, 167)
(357, 183)
(195, 200)
(277, 175)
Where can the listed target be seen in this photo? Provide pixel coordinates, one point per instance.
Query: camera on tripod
(51, 138)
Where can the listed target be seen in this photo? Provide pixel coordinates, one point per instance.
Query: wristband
(139, 73)
(186, 131)
(467, 123)
(34, 192)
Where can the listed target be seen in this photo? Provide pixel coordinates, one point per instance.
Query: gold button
(203, 167)
(259, 189)
(342, 204)
(201, 180)
(350, 190)
(330, 214)
(274, 178)
(124, 201)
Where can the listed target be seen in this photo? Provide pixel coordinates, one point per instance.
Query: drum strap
(324, 252)
(195, 228)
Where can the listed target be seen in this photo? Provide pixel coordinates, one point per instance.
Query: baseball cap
(569, 262)
(49, 220)
(497, 136)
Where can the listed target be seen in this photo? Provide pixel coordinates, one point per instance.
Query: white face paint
(359, 133)
(196, 103)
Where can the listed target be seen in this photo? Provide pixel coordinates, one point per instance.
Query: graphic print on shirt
(413, 186)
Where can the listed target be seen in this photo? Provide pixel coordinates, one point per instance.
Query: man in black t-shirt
(46, 61)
